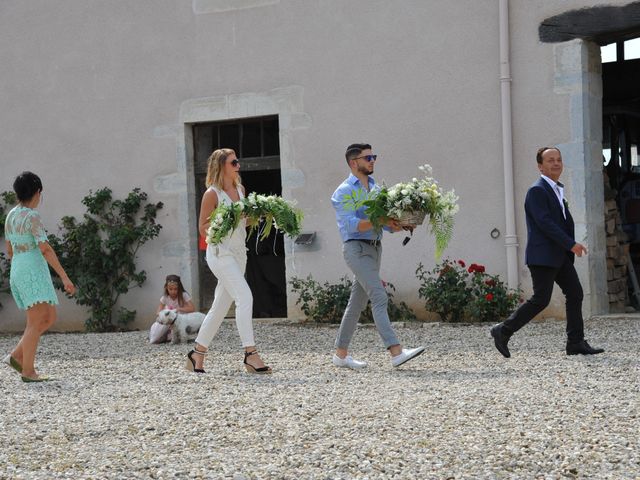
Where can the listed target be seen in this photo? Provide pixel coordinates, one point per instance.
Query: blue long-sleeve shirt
(348, 218)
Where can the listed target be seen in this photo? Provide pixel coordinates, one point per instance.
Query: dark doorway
(621, 157)
(265, 258)
(256, 143)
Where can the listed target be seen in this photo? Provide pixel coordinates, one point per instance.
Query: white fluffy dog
(184, 326)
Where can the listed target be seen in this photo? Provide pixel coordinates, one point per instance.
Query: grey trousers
(364, 261)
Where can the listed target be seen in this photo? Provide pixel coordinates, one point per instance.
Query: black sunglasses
(368, 158)
(235, 162)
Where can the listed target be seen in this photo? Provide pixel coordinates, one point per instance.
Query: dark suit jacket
(550, 236)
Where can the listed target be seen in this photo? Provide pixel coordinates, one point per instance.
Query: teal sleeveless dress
(30, 279)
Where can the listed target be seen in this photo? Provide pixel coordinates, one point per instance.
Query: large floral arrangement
(274, 210)
(410, 203)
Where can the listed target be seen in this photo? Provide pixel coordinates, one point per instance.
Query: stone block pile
(617, 258)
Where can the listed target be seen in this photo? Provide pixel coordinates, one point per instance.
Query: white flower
(426, 168)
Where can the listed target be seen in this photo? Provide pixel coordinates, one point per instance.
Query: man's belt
(373, 243)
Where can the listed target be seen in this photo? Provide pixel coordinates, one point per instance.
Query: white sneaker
(406, 355)
(348, 362)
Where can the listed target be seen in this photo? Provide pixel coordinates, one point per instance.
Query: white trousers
(232, 286)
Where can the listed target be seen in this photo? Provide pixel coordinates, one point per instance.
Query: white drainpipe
(511, 239)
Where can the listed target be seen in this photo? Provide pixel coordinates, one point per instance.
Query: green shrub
(325, 303)
(99, 253)
(458, 293)
(7, 201)
(445, 290)
(5, 270)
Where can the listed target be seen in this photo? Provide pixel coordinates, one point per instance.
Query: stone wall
(617, 257)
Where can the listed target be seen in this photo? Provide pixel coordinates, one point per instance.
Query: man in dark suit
(551, 249)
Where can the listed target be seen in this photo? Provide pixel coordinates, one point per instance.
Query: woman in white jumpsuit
(227, 261)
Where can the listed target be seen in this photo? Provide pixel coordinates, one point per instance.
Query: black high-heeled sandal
(191, 363)
(251, 369)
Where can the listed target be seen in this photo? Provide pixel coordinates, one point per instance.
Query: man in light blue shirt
(362, 251)
(348, 219)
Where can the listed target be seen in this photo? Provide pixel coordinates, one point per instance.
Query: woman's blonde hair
(215, 168)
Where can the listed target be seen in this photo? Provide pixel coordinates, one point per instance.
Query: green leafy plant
(445, 289)
(458, 293)
(325, 303)
(7, 200)
(5, 270)
(99, 253)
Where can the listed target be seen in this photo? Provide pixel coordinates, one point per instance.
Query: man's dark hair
(355, 149)
(26, 185)
(542, 150)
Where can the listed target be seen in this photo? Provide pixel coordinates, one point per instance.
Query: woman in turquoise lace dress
(30, 280)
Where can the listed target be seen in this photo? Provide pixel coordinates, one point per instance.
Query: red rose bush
(459, 294)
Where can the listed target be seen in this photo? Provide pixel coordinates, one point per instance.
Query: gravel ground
(122, 408)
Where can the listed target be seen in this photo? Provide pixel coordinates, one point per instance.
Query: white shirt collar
(553, 184)
(558, 189)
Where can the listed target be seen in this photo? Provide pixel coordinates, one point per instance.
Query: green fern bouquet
(223, 221)
(410, 203)
(274, 210)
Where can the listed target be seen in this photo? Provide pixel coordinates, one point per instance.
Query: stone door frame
(287, 104)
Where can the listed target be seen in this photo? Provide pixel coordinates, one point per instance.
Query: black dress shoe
(501, 340)
(582, 348)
